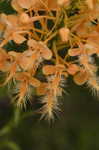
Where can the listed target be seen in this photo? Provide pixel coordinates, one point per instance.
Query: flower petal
(25, 3)
(81, 78)
(16, 6)
(42, 89)
(73, 69)
(17, 38)
(34, 82)
(49, 69)
(74, 52)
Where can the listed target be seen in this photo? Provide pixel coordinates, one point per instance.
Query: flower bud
(24, 18)
(64, 34)
(63, 2)
(90, 4)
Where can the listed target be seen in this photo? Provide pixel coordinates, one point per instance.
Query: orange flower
(25, 80)
(26, 77)
(41, 48)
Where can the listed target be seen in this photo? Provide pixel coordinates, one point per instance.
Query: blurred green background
(75, 128)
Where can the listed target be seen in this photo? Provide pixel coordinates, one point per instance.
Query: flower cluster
(47, 28)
